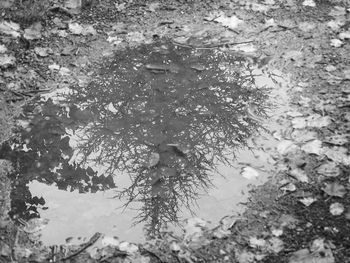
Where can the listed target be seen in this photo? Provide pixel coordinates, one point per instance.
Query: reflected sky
(165, 117)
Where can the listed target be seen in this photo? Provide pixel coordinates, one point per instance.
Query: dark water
(160, 134)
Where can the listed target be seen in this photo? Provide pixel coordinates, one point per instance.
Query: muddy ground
(302, 214)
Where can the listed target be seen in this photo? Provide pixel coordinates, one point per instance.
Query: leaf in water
(330, 169)
(286, 146)
(194, 228)
(128, 247)
(314, 147)
(249, 173)
(110, 241)
(153, 160)
(300, 175)
(33, 32)
(335, 189)
(336, 209)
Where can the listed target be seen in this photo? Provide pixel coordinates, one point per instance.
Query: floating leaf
(249, 173)
(110, 241)
(335, 189)
(336, 209)
(286, 146)
(314, 147)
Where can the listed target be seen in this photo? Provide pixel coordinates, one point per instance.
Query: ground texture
(302, 214)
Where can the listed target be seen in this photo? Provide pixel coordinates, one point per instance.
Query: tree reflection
(167, 115)
(42, 153)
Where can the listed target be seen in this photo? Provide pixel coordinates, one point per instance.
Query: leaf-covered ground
(302, 214)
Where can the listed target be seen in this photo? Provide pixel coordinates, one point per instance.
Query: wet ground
(161, 134)
(159, 106)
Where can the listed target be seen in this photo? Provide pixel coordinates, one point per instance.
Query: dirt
(301, 214)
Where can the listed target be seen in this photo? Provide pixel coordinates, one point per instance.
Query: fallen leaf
(33, 32)
(42, 51)
(290, 187)
(336, 42)
(338, 154)
(110, 241)
(10, 28)
(309, 3)
(276, 245)
(7, 61)
(299, 174)
(330, 169)
(257, 242)
(336, 209)
(153, 160)
(335, 189)
(304, 256)
(313, 147)
(194, 228)
(344, 35)
(244, 256)
(75, 28)
(307, 201)
(337, 139)
(230, 22)
(330, 68)
(286, 146)
(249, 173)
(3, 49)
(153, 6)
(128, 247)
(72, 4)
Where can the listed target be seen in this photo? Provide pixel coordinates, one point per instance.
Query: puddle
(161, 134)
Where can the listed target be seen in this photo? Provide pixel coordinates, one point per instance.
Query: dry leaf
(10, 28)
(230, 22)
(7, 61)
(314, 147)
(336, 209)
(307, 201)
(330, 169)
(33, 32)
(286, 146)
(299, 174)
(335, 189)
